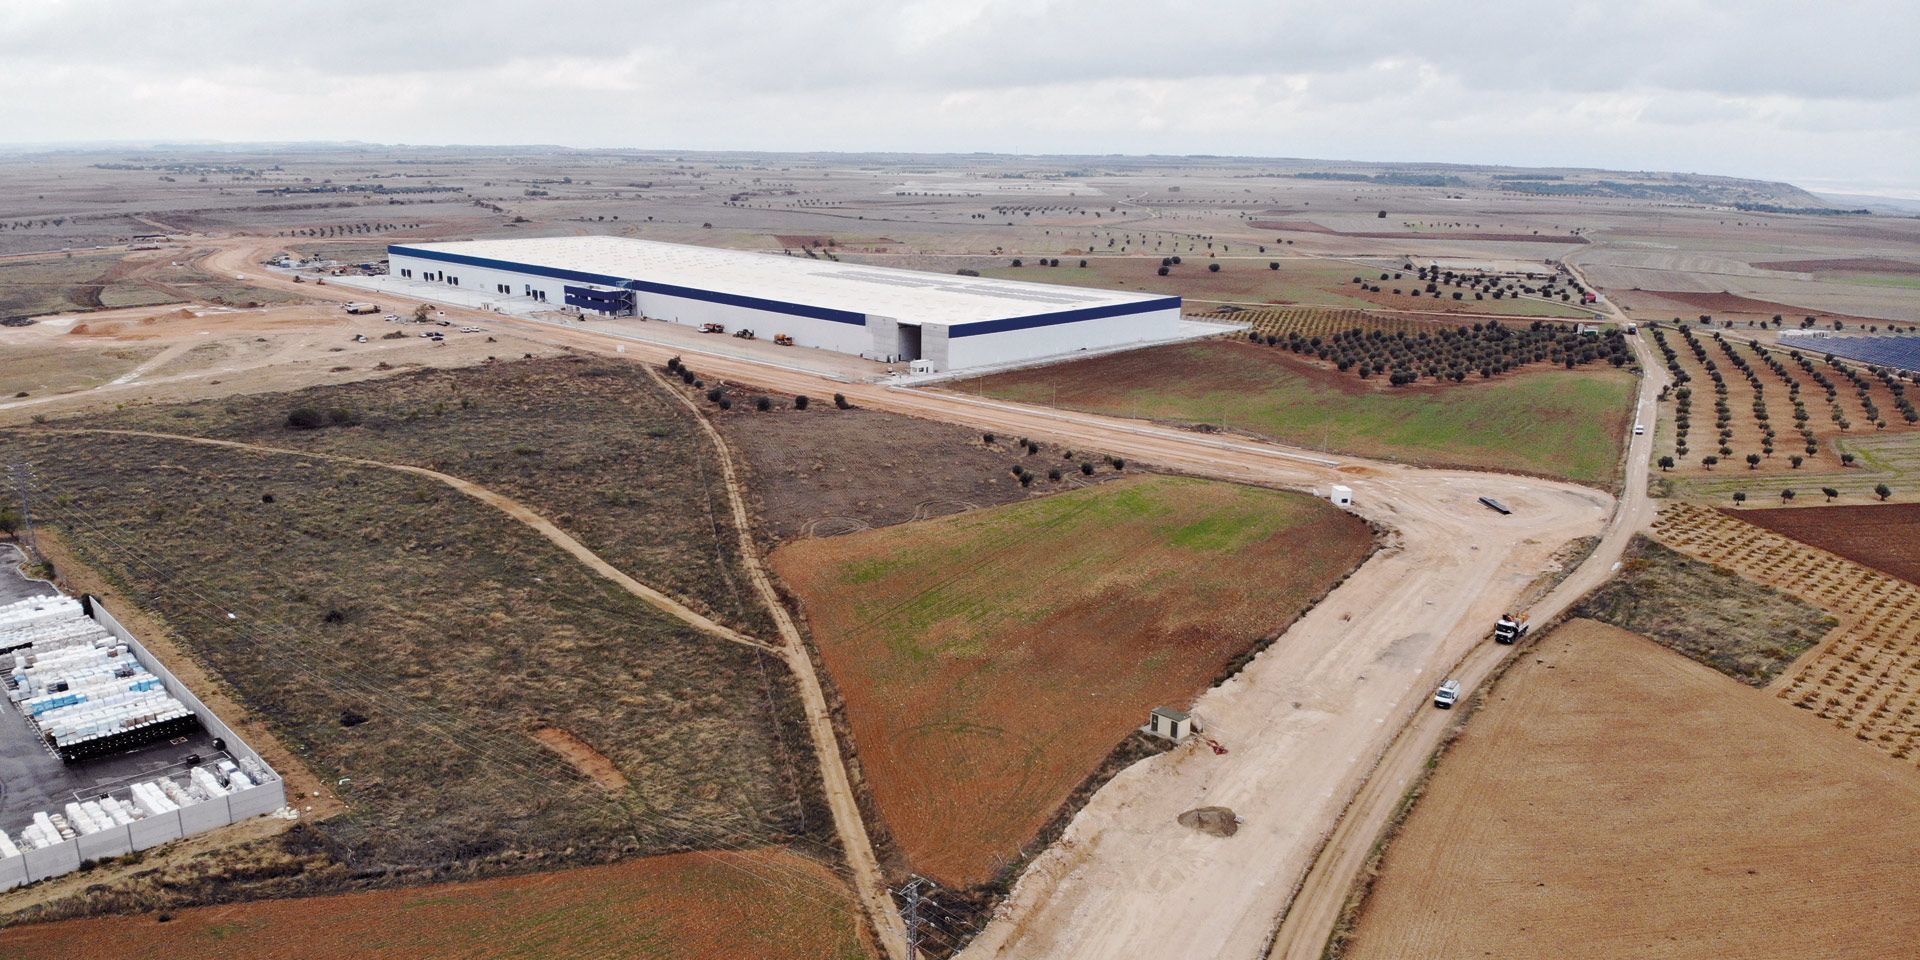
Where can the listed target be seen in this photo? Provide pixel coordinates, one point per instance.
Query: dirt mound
(1217, 821)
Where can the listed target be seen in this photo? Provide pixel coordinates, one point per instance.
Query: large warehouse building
(952, 322)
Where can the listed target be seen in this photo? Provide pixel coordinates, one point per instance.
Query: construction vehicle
(743, 333)
(783, 340)
(361, 308)
(1510, 628)
(712, 328)
(1447, 695)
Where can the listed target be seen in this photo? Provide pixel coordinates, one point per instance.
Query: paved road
(1304, 723)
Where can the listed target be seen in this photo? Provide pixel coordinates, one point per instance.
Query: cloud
(1764, 88)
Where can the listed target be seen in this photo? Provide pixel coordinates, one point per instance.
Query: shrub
(1275, 265)
(840, 400)
(1083, 264)
(987, 438)
(726, 403)
(1162, 271)
(762, 404)
(800, 402)
(1882, 491)
(715, 394)
(1026, 479)
(1016, 261)
(1054, 474)
(1119, 463)
(1213, 268)
(1086, 468)
(306, 418)
(1740, 497)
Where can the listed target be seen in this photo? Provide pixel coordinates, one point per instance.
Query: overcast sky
(1826, 95)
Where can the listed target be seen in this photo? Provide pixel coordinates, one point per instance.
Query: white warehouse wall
(806, 331)
(1033, 343)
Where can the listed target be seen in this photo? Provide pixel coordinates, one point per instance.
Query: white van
(1448, 695)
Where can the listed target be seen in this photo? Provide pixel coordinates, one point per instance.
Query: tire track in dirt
(507, 505)
(869, 883)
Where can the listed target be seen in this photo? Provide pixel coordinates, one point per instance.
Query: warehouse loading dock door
(909, 341)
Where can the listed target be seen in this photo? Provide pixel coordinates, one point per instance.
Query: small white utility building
(1341, 496)
(1167, 722)
(948, 321)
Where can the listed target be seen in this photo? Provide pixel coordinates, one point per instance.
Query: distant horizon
(1825, 189)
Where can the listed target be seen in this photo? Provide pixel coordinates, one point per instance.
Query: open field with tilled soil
(1612, 799)
(1865, 676)
(413, 644)
(990, 661)
(1558, 423)
(596, 445)
(1885, 537)
(698, 906)
(820, 472)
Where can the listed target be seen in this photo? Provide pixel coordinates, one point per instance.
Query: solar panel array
(1899, 352)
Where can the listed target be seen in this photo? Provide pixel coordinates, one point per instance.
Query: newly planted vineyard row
(1326, 321)
(1865, 677)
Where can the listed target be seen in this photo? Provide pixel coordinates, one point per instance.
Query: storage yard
(101, 755)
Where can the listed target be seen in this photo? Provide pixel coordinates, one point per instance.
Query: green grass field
(990, 661)
(1554, 422)
(31, 288)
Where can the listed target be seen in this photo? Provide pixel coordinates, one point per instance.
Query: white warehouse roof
(911, 296)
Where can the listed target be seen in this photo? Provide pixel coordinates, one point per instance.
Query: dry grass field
(989, 661)
(411, 644)
(595, 445)
(1614, 800)
(1573, 422)
(696, 906)
(1865, 677)
(1740, 628)
(822, 471)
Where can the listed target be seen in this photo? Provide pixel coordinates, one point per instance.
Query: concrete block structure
(949, 322)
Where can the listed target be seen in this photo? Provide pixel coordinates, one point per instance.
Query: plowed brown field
(1885, 537)
(694, 906)
(990, 661)
(1617, 800)
(1865, 676)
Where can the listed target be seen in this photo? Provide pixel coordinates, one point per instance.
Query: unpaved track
(507, 505)
(1316, 908)
(869, 882)
(1305, 722)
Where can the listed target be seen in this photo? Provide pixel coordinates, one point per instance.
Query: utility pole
(912, 895)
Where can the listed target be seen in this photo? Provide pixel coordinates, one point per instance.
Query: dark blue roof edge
(644, 286)
(1064, 316)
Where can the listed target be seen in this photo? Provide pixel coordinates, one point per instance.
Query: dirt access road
(1304, 723)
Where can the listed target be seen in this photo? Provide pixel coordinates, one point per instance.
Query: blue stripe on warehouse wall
(1064, 316)
(644, 286)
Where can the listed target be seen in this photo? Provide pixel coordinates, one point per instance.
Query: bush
(1026, 479)
(1086, 468)
(306, 418)
(1054, 474)
(726, 403)
(1275, 265)
(1016, 261)
(715, 394)
(987, 438)
(800, 402)
(840, 400)
(762, 404)
(1162, 271)
(1119, 463)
